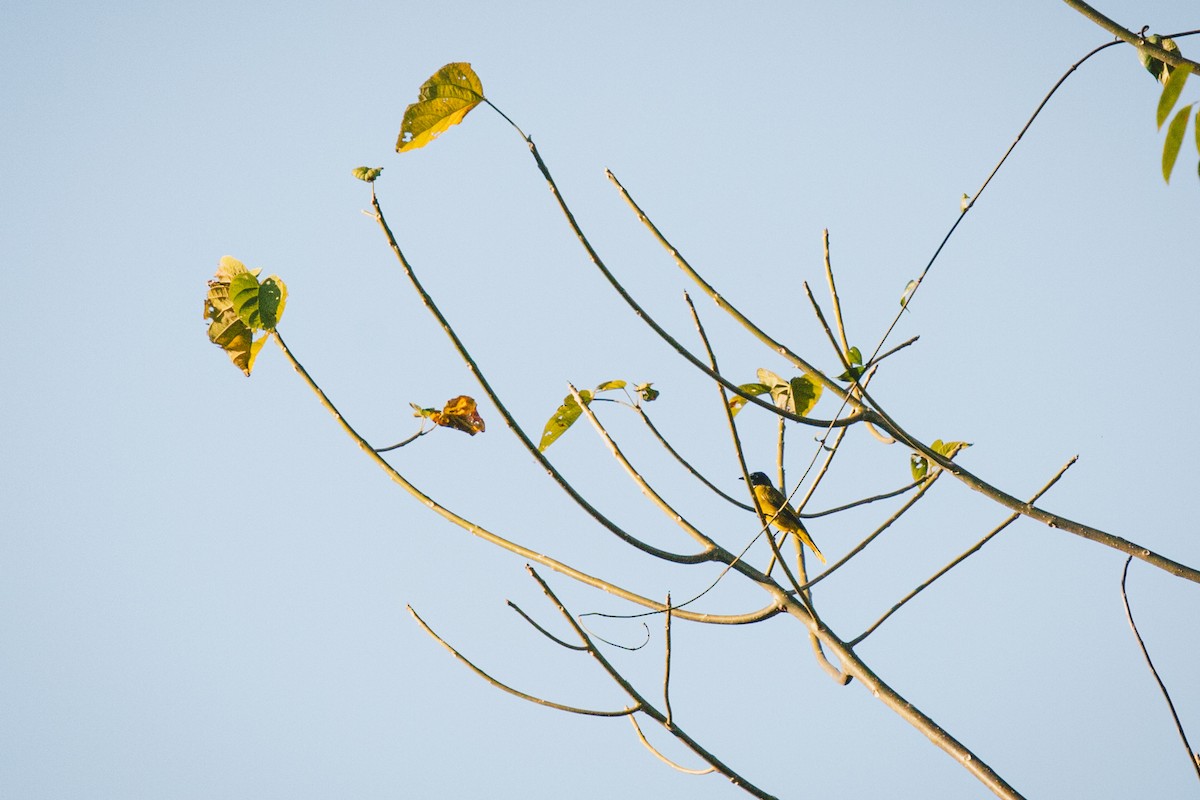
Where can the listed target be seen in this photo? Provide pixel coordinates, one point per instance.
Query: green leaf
(805, 393)
(781, 390)
(258, 305)
(427, 413)
(948, 450)
(368, 174)
(607, 385)
(1170, 93)
(856, 369)
(1196, 130)
(227, 330)
(1159, 69)
(563, 419)
(737, 402)
(647, 394)
(445, 99)
(1174, 140)
(919, 466)
(909, 288)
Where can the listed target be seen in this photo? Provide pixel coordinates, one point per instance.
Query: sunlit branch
(726, 306)
(516, 692)
(843, 355)
(709, 545)
(641, 312)
(966, 554)
(864, 501)
(833, 293)
(687, 465)
(667, 661)
(471, 527)
(509, 420)
(928, 484)
(657, 754)
(880, 417)
(1193, 757)
(1124, 34)
(403, 442)
(542, 630)
(645, 707)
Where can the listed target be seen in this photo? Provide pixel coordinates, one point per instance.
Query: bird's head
(759, 479)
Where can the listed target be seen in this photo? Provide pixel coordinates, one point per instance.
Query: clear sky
(203, 581)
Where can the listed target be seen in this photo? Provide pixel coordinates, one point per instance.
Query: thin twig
(542, 630)
(1193, 757)
(964, 556)
(864, 501)
(590, 712)
(1174, 58)
(640, 311)
(754, 330)
(478, 530)
(837, 303)
(530, 447)
(658, 754)
(667, 663)
(645, 707)
(686, 465)
(409, 440)
(928, 484)
(879, 417)
(711, 548)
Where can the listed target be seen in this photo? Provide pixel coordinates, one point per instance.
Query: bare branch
(864, 501)
(509, 420)
(878, 416)
(968, 553)
(1128, 36)
(1193, 757)
(743, 321)
(686, 465)
(928, 484)
(641, 312)
(515, 692)
(710, 547)
(471, 527)
(643, 706)
(667, 663)
(661, 757)
(837, 303)
(542, 630)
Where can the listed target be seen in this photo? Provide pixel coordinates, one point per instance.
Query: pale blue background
(202, 581)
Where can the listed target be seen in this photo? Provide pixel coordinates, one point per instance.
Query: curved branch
(686, 464)
(655, 752)
(741, 318)
(880, 418)
(928, 484)
(477, 530)
(645, 707)
(1128, 36)
(543, 631)
(1193, 757)
(975, 548)
(509, 420)
(641, 312)
(709, 545)
(590, 712)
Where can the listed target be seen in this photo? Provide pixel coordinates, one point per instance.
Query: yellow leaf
(461, 414)
(226, 329)
(445, 99)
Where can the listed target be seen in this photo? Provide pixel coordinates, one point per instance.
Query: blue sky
(203, 582)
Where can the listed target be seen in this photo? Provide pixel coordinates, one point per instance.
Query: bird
(775, 508)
